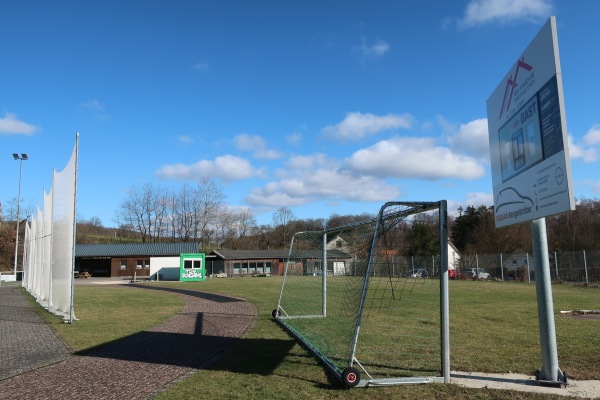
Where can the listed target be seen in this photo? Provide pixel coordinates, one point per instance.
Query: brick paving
(138, 366)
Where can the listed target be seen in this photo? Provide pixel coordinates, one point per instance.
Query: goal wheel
(350, 377)
(275, 313)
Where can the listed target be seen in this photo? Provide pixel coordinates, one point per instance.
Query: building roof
(279, 254)
(135, 249)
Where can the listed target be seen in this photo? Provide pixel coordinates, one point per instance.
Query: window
(138, 264)
(123, 264)
(236, 268)
(146, 264)
(190, 263)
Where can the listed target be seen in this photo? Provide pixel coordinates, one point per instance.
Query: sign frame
(529, 152)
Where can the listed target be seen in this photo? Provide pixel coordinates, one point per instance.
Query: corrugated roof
(280, 254)
(135, 249)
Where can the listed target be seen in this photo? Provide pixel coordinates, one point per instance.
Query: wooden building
(272, 262)
(125, 259)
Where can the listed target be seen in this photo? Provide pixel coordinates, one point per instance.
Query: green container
(192, 267)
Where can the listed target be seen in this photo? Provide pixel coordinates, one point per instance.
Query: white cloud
(357, 125)
(227, 168)
(256, 145)
(472, 199)
(11, 125)
(376, 49)
(479, 12)
(312, 178)
(185, 139)
(414, 158)
(592, 137)
(294, 138)
(472, 139)
(588, 155)
(93, 104)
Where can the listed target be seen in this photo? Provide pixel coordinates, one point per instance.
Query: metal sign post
(550, 374)
(531, 170)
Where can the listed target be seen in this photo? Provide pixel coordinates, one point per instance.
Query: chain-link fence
(573, 266)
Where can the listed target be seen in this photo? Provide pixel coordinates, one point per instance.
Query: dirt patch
(582, 315)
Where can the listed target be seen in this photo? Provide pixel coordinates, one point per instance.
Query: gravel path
(143, 364)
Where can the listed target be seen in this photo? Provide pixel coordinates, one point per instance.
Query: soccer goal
(370, 299)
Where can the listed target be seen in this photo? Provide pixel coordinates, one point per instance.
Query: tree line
(200, 213)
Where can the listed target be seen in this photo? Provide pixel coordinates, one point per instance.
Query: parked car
(417, 273)
(471, 273)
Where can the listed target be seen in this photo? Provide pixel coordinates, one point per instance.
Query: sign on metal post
(531, 171)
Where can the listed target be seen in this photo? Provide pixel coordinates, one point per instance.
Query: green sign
(192, 267)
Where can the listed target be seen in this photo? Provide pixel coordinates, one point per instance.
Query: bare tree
(140, 209)
(209, 203)
(282, 219)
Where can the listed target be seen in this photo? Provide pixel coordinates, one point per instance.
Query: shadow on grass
(203, 295)
(199, 339)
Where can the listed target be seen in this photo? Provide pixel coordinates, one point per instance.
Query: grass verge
(493, 329)
(108, 313)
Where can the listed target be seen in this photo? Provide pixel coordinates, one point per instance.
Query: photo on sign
(532, 134)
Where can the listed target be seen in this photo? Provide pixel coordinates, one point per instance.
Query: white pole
(21, 158)
(51, 247)
(72, 310)
(585, 266)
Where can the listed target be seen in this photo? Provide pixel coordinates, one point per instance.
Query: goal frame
(355, 375)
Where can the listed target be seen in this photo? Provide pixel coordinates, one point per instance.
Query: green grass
(493, 329)
(110, 313)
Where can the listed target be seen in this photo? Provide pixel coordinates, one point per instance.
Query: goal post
(370, 299)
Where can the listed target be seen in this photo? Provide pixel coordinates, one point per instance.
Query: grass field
(493, 328)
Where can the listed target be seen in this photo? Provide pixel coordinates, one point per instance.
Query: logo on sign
(511, 86)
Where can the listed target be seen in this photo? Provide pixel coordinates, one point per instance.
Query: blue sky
(323, 107)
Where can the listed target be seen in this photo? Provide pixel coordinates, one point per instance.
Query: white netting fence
(49, 244)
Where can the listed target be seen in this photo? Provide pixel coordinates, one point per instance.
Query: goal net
(370, 299)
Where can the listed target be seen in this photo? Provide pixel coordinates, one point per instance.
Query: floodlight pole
(550, 373)
(22, 157)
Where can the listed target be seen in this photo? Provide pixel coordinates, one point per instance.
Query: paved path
(135, 367)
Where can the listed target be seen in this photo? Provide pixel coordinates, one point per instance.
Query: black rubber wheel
(350, 377)
(275, 313)
(565, 380)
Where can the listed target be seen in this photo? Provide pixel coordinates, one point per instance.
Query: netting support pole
(72, 277)
(324, 268)
(444, 297)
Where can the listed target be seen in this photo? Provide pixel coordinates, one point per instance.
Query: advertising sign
(531, 171)
(192, 267)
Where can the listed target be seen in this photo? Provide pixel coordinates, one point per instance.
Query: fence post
(476, 266)
(528, 274)
(501, 268)
(556, 266)
(585, 266)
